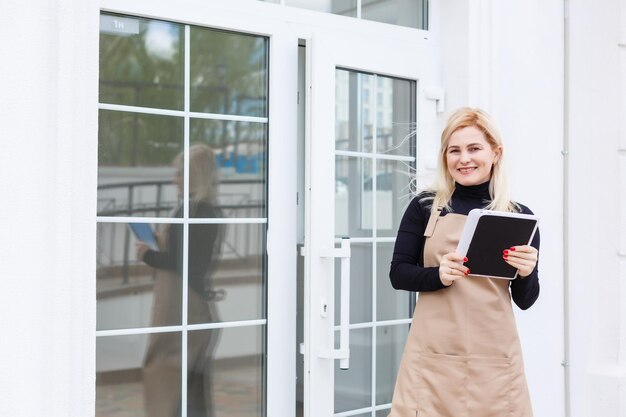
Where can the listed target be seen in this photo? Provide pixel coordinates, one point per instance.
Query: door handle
(343, 353)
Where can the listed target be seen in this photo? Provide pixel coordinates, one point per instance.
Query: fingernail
(465, 259)
(512, 248)
(467, 272)
(505, 256)
(506, 251)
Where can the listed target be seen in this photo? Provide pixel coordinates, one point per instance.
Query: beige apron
(462, 357)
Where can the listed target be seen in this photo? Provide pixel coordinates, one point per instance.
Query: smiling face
(469, 157)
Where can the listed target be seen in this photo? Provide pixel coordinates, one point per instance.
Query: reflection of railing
(233, 205)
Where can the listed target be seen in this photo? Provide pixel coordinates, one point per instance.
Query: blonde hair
(203, 175)
(498, 185)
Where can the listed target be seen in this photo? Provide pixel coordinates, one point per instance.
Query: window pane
(353, 387)
(353, 197)
(141, 62)
(391, 304)
(413, 14)
(226, 272)
(240, 152)
(355, 111)
(395, 119)
(226, 372)
(360, 284)
(228, 73)
(389, 347)
(135, 163)
(392, 194)
(138, 375)
(134, 293)
(340, 7)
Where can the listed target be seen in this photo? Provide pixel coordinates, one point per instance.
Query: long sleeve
(407, 271)
(525, 291)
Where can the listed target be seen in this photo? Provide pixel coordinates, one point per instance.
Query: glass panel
(135, 170)
(340, 7)
(138, 375)
(141, 62)
(392, 194)
(353, 200)
(134, 293)
(360, 284)
(395, 119)
(390, 304)
(389, 347)
(229, 73)
(384, 412)
(355, 111)
(226, 272)
(413, 14)
(226, 376)
(353, 387)
(240, 154)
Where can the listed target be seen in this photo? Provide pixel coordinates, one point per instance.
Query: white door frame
(326, 53)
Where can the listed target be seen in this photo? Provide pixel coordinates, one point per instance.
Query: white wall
(507, 57)
(48, 124)
(597, 220)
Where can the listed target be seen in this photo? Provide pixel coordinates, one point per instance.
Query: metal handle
(343, 353)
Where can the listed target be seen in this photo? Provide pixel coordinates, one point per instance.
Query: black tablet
(487, 233)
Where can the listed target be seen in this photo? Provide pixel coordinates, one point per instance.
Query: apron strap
(432, 221)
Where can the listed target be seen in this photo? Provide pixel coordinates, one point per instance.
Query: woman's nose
(465, 157)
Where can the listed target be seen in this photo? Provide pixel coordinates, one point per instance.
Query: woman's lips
(466, 170)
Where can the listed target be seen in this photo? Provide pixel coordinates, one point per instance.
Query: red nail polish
(465, 259)
(467, 272)
(506, 251)
(505, 256)
(512, 248)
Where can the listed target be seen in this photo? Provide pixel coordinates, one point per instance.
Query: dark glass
(360, 284)
(141, 62)
(393, 194)
(240, 152)
(389, 347)
(135, 170)
(133, 293)
(353, 387)
(138, 375)
(226, 372)
(229, 73)
(413, 14)
(353, 196)
(226, 272)
(391, 304)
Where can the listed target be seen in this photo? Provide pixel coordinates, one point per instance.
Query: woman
(462, 357)
(162, 362)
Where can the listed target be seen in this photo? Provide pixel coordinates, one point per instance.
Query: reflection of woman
(162, 366)
(462, 357)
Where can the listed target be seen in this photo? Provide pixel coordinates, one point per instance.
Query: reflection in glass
(353, 202)
(135, 172)
(355, 111)
(229, 73)
(353, 387)
(390, 304)
(128, 290)
(389, 346)
(413, 14)
(340, 7)
(134, 380)
(228, 376)
(392, 194)
(141, 62)
(360, 284)
(233, 282)
(395, 116)
(240, 152)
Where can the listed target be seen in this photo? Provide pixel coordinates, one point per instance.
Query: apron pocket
(442, 385)
(489, 387)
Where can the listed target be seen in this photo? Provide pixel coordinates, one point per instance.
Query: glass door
(191, 153)
(362, 151)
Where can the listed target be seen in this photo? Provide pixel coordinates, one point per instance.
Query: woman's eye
(453, 151)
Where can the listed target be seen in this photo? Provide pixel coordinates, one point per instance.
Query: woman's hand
(140, 249)
(523, 257)
(451, 268)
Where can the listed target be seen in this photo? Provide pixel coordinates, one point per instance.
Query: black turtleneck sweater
(407, 265)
